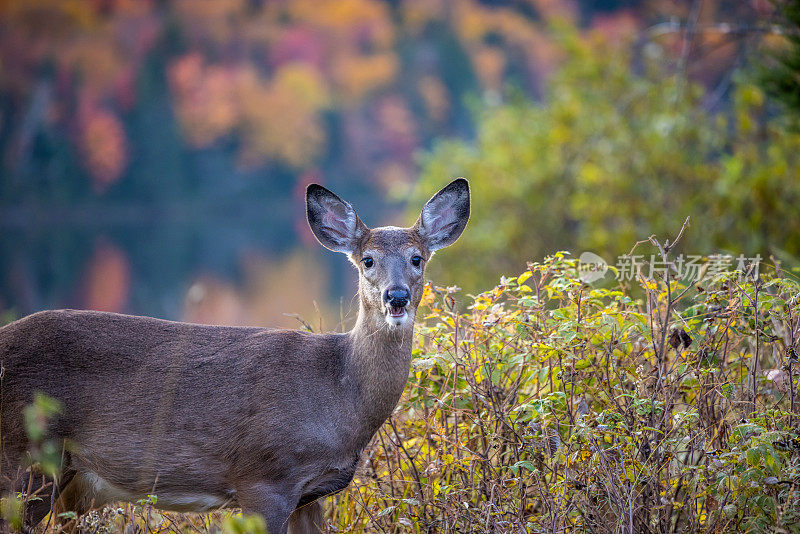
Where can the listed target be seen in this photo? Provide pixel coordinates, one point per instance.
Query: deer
(208, 417)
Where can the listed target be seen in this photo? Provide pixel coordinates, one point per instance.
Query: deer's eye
(368, 262)
(416, 260)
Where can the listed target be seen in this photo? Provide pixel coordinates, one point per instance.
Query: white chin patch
(397, 320)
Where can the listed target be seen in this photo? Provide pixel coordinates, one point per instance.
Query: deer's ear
(445, 215)
(333, 221)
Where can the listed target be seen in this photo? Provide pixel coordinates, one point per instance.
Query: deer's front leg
(307, 519)
(274, 502)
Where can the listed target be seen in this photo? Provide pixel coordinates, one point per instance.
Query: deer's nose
(397, 297)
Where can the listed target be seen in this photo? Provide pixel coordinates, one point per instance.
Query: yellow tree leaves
(93, 52)
(280, 119)
(104, 146)
(510, 33)
(217, 21)
(276, 119)
(56, 17)
(360, 38)
(349, 22)
(205, 99)
(252, 79)
(355, 76)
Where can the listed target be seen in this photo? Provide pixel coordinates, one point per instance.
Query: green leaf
(386, 511)
(753, 457)
(524, 464)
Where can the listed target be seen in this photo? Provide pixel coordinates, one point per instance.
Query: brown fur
(269, 420)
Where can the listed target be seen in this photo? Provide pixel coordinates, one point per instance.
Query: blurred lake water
(236, 261)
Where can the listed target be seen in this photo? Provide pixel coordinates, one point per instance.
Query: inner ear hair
(445, 215)
(333, 221)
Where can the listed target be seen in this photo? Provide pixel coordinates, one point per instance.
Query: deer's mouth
(397, 315)
(396, 300)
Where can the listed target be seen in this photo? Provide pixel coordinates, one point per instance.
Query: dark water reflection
(145, 258)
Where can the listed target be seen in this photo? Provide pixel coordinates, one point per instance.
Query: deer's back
(144, 397)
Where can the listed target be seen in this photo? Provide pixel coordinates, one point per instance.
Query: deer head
(390, 260)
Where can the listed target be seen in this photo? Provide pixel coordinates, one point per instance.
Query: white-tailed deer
(210, 416)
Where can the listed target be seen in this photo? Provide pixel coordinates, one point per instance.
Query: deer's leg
(307, 519)
(45, 492)
(40, 492)
(74, 498)
(274, 502)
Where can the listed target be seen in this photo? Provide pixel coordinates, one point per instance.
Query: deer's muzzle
(396, 299)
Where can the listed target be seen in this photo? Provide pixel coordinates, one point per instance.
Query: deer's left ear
(445, 215)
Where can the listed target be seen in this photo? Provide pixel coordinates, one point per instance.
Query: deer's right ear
(333, 221)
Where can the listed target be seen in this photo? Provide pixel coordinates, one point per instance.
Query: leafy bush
(553, 406)
(611, 156)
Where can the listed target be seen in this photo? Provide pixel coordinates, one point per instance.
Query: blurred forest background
(154, 154)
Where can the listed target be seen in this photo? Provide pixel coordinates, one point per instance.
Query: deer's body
(210, 416)
(178, 371)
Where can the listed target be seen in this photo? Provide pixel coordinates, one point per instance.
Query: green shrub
(553, 406)
(611, 156)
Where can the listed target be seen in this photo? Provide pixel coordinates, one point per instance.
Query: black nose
(396, 297)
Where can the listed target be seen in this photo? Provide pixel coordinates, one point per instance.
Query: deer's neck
(381, 358)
